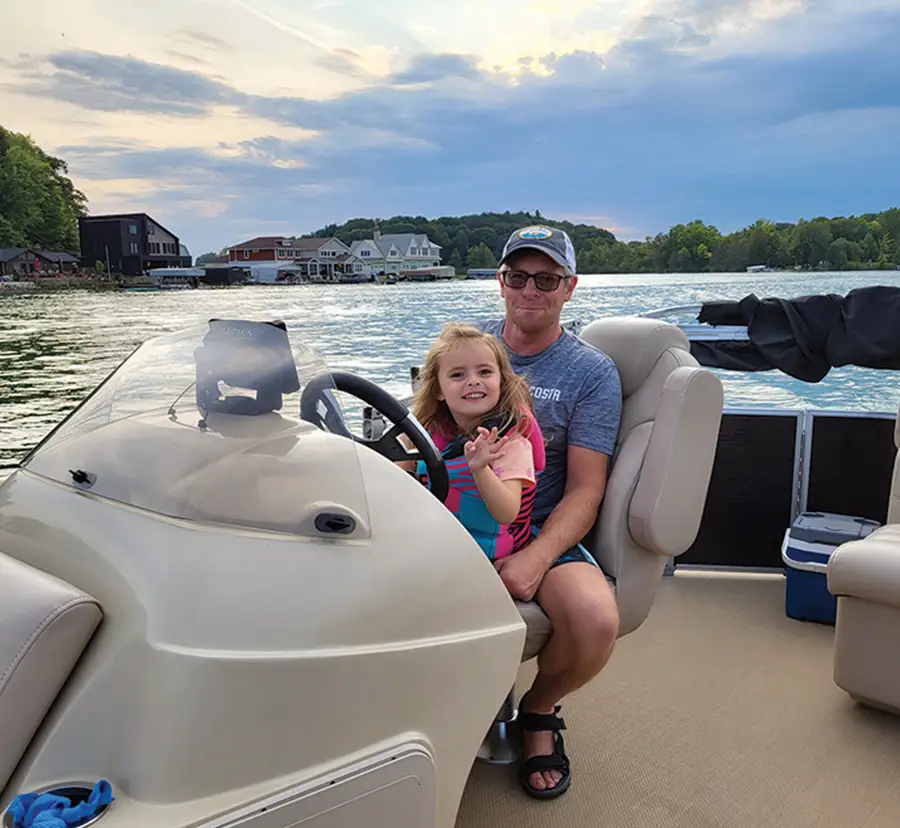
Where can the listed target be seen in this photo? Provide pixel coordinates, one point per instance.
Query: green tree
(39, 204)
(842, 242)
(487, 236)
(687, 248)
(839, 254)
(461, 241)
(870, 248)
(204, 258)
(811, 240)
(455, 260)
(481, 256)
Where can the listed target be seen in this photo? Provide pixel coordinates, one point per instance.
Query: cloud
(191, 60)
(429, 68)
(327, 43)
(726, 111)
(196, 37)
(110, 83)
(344, 62)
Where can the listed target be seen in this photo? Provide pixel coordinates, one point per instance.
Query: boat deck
(719, 712)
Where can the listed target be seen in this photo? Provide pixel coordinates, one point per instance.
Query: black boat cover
(808, 336)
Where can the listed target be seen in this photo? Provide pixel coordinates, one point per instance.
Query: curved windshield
(232, 422)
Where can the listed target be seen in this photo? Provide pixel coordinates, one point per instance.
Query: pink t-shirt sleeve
(517, 463)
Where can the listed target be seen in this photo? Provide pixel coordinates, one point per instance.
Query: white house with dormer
(396, 252)
(306, 258)
(314, 258)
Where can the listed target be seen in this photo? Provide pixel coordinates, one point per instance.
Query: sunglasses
(546, 282)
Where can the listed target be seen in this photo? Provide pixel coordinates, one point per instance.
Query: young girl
(480, 415)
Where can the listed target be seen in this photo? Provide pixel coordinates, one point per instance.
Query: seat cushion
(869, 568)
(893, 515)
(45, 624)
(537, 625)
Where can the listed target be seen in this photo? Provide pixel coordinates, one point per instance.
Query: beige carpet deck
(719, 712)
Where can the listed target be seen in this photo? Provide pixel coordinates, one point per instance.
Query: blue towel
(49, 810)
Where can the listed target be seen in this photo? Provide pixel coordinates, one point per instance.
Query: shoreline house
(283, 258)
(34, 262)
(129, 243)
(321, 259)
(393, 253)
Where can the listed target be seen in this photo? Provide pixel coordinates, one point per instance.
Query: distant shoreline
(38, 287)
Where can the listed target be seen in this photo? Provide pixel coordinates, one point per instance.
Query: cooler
(806, 549)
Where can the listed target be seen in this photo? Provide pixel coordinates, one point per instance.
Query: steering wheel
(319, 407)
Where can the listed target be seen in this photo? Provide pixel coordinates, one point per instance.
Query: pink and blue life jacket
(465, 501)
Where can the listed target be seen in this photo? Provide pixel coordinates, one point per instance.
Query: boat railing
(697, 331)
(673, 310)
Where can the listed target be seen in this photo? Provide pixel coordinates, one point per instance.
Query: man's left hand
(522, 572)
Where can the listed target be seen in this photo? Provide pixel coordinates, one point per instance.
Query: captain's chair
(46, 625)
(657, 485)
(864, 576)
(893, 513)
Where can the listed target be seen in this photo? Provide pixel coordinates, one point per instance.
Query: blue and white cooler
(806, 549)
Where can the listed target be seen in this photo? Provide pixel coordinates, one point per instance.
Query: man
(578, 403)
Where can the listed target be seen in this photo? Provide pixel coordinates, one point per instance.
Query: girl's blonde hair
(514, 408)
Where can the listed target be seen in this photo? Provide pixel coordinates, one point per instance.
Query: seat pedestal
(502, 745)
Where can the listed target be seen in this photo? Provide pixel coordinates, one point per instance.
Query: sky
(227, 119)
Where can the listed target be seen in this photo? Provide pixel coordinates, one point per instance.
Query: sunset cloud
(227, 117)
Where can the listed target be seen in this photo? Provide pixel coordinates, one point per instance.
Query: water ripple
(55, 348)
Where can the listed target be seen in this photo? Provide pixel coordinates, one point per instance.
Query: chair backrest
(656, 491)
(893, 515)
(45, 624)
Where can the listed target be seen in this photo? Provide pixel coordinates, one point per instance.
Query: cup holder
(75, 792)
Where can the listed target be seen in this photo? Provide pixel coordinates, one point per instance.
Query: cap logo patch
(535, 233)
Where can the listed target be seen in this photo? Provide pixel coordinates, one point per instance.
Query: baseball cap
(549, 240)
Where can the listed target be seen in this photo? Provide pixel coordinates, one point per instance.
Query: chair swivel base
(502, 744)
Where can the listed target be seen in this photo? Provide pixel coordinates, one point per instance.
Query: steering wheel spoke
(319, 407)
(390, 446)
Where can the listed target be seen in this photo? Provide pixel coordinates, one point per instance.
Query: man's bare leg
(582, 609)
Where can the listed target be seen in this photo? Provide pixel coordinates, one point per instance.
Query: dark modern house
(129, 243)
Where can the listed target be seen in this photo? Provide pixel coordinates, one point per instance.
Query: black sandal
(556, 761)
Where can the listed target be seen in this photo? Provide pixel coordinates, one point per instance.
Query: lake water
(55, 348)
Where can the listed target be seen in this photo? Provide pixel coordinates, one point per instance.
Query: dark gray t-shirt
(577, 397)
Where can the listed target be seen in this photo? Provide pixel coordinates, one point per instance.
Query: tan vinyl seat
(659, 477)
(893, 512)
(45, 624)
(864, 575)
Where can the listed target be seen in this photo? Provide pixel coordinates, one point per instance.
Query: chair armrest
(868, 569)
(668, 501)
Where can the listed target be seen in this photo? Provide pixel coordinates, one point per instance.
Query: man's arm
(592, 435)
(576, 513)
(591, 440)
(565, 526)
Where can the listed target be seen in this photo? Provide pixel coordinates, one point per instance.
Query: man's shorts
(577, 554)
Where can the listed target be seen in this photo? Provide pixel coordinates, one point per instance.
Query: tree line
(867, 242)
(466, 241)
(39, 204)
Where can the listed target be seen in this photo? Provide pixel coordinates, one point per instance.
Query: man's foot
(544, 772)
